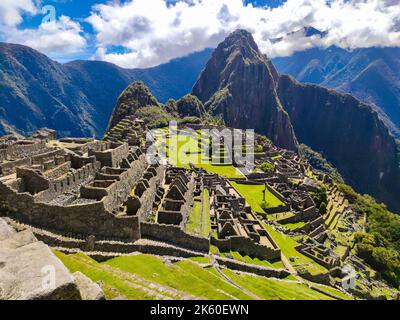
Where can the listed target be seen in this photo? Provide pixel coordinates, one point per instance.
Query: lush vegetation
(154, 116)
(380, 245)
(319, 162)
(321, 199)
(189, 105)
(266, 167)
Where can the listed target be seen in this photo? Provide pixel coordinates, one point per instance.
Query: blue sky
(144, 33)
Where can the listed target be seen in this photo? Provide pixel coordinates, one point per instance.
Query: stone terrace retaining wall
(90, 218)
(174, 235)
(247, 246)
(254, 269)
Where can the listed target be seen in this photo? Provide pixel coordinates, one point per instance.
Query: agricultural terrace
(126, 278)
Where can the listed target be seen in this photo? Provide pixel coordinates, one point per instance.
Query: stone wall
(247, 246)
(174, 235)
(111, 157)
(71, 181)
(254, 269)
(24, 149)
(148, 197)
(90, 218)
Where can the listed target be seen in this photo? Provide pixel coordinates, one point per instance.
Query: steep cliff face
(134, 97)
(347, 132)
(370, 74)
(239, 83)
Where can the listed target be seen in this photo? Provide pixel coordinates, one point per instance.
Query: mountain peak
(240, 41)
(239, 84)
(134, 97)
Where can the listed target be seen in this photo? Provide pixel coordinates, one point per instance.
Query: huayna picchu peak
(239, 83)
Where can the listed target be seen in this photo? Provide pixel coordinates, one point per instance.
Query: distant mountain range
(77, 98)
(372, 75)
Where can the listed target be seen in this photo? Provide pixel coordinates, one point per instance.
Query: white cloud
(11, 11)
(152, 32)
(55, 38)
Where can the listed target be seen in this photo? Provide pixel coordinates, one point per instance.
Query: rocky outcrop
(348, 133)
(134, 97)
(240, 83)
(30, 271)
(88, 289)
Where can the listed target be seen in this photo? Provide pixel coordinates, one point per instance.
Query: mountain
(348, 133)
(134, 97)
(371, 74)
(77, 98)
(239, 82)
(243, 85)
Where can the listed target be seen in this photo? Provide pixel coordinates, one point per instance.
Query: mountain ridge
(370, 74)
(77, 98)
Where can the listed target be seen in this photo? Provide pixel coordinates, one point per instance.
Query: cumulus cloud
(11, 11)
(57, 38)
(150, 32)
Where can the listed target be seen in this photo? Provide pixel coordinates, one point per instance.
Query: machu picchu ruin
(178, 193)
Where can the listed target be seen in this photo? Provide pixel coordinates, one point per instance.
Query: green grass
(294, 226)
(226, 171)
(144, 277)
(137, 277)
(113, 285)
(336, 293)
(246, 259)
(193, 224)
(200, 212)
(271, 289)
(254, 196)
(184, 276)
(287, 246)
(182, 150)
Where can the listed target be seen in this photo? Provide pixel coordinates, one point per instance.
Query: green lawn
(200, 212)
(254, 196)
(287, 246)
(182, 150)
(271, 289)
(185, 276)
(146, 277)
(139, 277)
(193, 224)
(237, 256)
(332, 291)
